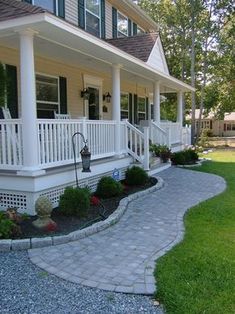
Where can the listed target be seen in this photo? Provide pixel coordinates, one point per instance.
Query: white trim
(158, 44)
(125, 94)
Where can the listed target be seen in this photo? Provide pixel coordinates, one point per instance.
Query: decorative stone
(43, 208)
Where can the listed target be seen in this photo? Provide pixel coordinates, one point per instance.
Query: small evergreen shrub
(7, 227)
(185, 157)
(108, 187)
(136, 176)
(75, 201)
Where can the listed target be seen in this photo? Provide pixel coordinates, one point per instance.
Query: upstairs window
(122, 25)
(92, 16)
(53, 6)
(140, 30)
(49, 5)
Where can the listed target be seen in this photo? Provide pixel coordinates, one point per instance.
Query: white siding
(108, 18)
(157, 58)
(71, 11)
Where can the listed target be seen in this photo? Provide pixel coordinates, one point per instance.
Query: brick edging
(32, 243)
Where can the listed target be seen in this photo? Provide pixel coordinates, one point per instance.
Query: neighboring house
(223, 128)
(68, 57)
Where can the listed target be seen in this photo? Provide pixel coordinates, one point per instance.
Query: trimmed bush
(108, 187)
(136, 176)
(75, 202)
(185, 157)
(7, 227)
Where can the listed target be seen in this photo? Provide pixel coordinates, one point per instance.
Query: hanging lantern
(86, 159)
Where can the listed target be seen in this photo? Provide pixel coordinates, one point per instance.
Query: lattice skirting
(25, 201)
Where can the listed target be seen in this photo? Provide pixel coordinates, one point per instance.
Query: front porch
(53, 62)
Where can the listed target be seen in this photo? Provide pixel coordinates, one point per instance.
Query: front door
(93, 103)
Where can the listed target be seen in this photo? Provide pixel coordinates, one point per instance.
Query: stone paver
(122, 257)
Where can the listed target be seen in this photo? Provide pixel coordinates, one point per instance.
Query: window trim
(118, 31)
(58, 85)
(99, 17)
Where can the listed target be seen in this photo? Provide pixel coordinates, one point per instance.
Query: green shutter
(129, 27)
(12, 92)
(61, 8)
(63, 95)
(114, 16)
(81, 13)
(147, 108)
(130, 108)
(135, 109)
(134, 29)
(102, 3)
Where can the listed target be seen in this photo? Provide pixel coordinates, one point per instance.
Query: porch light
(85, 155)
(107, 97)
(85, 94)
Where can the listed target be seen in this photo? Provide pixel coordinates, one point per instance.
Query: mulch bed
(67, 224)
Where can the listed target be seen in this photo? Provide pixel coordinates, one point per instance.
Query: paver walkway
(122, 258)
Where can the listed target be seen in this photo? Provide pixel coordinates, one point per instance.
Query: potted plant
(165, 153)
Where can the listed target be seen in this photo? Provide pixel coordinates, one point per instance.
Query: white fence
(55, 140)
(11, 147)
(174, 132)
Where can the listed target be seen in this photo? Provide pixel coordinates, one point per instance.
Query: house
(218, 127)
(67, 57)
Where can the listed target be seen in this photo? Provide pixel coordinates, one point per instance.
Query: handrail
(158, 127)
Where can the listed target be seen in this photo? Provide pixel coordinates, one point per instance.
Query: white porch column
(180, 108)
(156, 102)
(28, 102)
(116, 105)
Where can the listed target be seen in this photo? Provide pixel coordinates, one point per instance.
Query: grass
(198, 275)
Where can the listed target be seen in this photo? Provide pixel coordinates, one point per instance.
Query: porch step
(158, 168)
(176, 147)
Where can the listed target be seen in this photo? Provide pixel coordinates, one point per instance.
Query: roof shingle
(139, 46)
(10, 9)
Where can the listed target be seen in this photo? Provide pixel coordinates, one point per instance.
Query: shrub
(75, 201)
(161, 151)
(136, 176)
(185, 157)
(108, 187)
(7, 227)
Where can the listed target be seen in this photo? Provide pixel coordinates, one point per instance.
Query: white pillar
(116, 105)
(28, 102)
(156, 102)
(180, 108)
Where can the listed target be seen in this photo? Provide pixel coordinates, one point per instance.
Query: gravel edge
(7, 245)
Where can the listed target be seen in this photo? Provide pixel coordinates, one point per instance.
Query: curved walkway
(122, 257)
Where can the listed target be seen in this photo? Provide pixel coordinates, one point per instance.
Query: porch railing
(157, 134)
(11, 147)
(55, 144)
(174, 132)
(186, 135)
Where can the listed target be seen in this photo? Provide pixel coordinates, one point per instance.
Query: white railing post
(156, 102)
(146, 148)
(84, 127)
(180, 108)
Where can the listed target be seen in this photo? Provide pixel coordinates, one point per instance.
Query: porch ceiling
(62, 41)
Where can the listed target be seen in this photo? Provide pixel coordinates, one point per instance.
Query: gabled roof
(139, 46)
(11, 9)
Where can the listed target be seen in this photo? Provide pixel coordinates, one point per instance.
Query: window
(229, 127)
(141, 109)
(49, 5)
(47, 94)
(140, 30)
(124, 106)
(122, 25)
(92, 16)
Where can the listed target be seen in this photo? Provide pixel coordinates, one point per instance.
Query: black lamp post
(85, 155)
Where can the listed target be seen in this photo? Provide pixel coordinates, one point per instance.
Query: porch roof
(58, 32)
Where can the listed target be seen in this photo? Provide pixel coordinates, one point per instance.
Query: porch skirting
(22, 191)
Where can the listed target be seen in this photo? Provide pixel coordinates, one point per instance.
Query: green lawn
(198, 275)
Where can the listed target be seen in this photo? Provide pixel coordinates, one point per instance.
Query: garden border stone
(24, 244)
